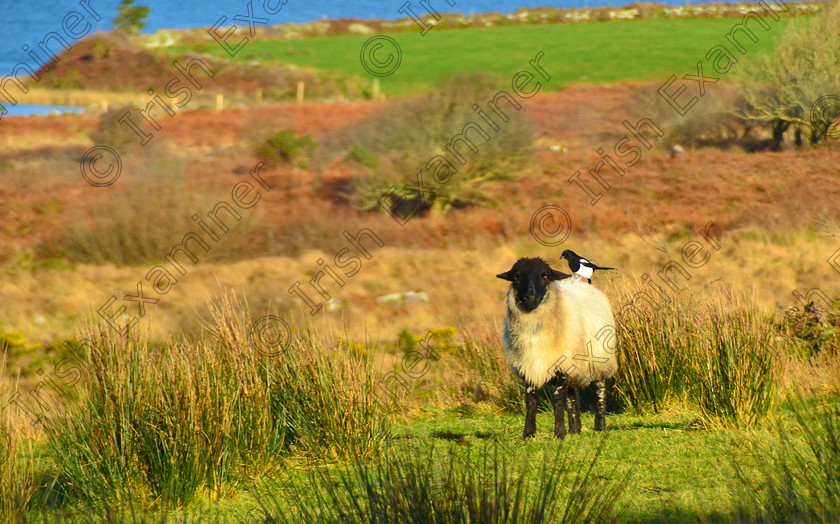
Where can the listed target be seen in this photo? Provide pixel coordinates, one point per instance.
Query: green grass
(597, 52)
(674, 471)
(668, 467)
(215, 429)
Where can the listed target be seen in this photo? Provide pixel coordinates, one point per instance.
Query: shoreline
(523, 16)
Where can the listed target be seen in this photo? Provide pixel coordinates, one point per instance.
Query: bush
(102, 48)
(130, 19)
(13, 344)
(713, 122)
(113, 133)
(784, 85)
(405, 135)
(436, 340)
(283, 148)
(813, 330)
(361, 155)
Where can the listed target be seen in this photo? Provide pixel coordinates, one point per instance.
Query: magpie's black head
(569, 254)
(530, 278)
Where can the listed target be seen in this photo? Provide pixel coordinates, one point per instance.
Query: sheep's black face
(530, 278)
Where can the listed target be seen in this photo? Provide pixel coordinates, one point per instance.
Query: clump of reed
(160, 423)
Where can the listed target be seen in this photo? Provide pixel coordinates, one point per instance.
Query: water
(31, 109)
(27, 22)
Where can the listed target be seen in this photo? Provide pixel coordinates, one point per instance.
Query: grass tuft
(163, 423)
(716, 359)
(407, 487)
(798, 476)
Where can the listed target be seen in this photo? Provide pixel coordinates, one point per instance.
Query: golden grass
(753, 270)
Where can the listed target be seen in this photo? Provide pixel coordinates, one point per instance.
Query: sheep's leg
(573, 407)
(558, 400)
(530, 411)
(601, 405)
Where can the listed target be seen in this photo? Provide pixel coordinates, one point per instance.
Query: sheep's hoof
(528, 434)
(559, 435)
(600, 424)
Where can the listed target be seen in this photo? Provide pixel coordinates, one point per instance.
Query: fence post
(220, 101)
(300, 88)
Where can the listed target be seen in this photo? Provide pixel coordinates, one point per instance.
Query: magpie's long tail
(599, 267)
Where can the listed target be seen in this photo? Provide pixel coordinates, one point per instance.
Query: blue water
(30, 109)
(27, 22)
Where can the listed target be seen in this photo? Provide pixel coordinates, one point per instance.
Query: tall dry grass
(717, 358)
(161, 423)
(18, 483)
(486, 374)
(143, 216)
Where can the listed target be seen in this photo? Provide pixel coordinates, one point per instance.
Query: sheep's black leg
(530, 411)
(601, 405)
(573, 408)
(558, 400)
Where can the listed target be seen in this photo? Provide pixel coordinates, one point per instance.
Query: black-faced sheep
(558, 331)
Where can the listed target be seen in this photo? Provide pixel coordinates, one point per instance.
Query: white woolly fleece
(572, 330)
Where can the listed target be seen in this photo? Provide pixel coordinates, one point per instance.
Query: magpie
(580, 266)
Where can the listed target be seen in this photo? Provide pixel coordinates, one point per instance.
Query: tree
(131, 19)
(782, 87)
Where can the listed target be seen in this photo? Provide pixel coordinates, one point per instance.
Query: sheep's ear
(507, 275)
(557, 275)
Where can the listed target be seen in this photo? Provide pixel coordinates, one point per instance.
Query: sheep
(558, 331)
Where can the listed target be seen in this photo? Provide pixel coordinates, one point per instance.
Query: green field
(597, 52)
(667, 469)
